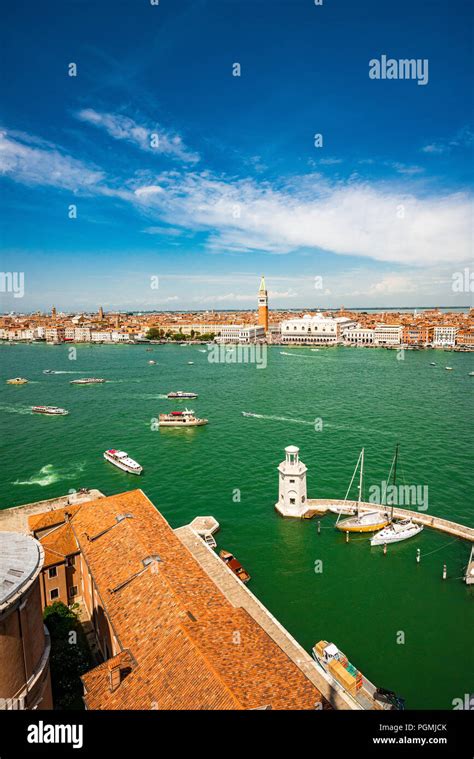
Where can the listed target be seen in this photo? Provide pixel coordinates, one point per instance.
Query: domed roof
(291, 449)
(21, 558)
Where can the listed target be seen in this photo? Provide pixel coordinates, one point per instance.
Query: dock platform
(320, 506)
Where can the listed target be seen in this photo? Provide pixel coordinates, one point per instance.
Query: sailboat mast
(394, 477)
(361, 475)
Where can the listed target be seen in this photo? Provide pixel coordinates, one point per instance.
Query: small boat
(50, 410)
(336, 664)
(123, 461)
(184, 418)
(17, 381)
(88, 381)
(471, 374)
(47, 371)
(395, 532)
(181, 395)
(152, 362)
(363, 520)
(432, 363)
(449, 368)
(190, 363)
(234, 565)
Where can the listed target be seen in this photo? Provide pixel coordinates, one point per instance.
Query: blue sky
(180, 170)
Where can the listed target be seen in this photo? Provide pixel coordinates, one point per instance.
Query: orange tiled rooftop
(179, 642)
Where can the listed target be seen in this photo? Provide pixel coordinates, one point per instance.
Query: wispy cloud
(464, 138)
(371, 220)
(153, 139)
(35, 162)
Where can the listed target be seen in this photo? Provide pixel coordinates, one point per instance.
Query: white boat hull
(123, 466)
(391, 535)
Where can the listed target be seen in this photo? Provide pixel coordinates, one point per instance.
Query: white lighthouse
(292, 484)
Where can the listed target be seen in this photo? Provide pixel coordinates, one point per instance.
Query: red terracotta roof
(179, 630)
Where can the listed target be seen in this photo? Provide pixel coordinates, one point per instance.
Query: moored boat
(395, 532)
(123, 461)
(184, 418)
(236, 567)
(336, 664)
(181, 395)
(50, 410)
(363, 520)
(88, 381)
(17, 381)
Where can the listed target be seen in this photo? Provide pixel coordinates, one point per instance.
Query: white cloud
(464, 138)
(370, 220)
(124, 128)
(393, 284)
(25, 161)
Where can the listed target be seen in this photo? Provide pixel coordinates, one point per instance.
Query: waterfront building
(24, 640)
(317, 329)
(102, 336)
(444, 337)
(388, 334)
(417, 335)
(54, 334)
(159, 618)
(359, 336)
(465, 338)
(263, 305)
(292, 484)
(241, 333)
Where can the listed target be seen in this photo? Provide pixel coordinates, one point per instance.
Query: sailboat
(394, 532)
(363, 521)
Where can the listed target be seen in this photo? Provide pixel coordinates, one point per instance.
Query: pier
(320, 506)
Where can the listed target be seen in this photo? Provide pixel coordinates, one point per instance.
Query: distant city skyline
(138, 172)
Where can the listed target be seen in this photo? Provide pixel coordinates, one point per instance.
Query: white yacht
(184, 418)
(123, 461)
(88, 381)
(50, 410)
(181, 395)
(395, 532)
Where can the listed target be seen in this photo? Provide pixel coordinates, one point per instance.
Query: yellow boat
(362, 521)
(17, 381)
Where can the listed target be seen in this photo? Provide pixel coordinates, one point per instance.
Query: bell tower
(263, 305)
(292, 484)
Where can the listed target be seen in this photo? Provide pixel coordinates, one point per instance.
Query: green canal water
(362, 600)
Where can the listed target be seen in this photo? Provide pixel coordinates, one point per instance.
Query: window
(54, 593)
(292, 482)
(292, 500)
(73, 590)
(53, 572)
(71, 560)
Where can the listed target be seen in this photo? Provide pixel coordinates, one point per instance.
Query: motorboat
(184, 418)
(49, 410)
(123, 461)
(181, 395)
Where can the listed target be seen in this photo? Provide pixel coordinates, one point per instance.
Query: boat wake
(49, 474)
(298, 355)
(16, 409)
(330, 425)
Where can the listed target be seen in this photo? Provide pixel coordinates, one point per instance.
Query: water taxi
(471, 374)
(181, 395)
(336, 664)
(152, 362)
(234, 565)
(88, 381)
(50, 410)
(449, 368)
(190, 363)
(17, 381)
(123, 461)
(432, 363)
(363, 520)
(184, 418)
